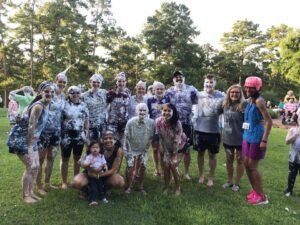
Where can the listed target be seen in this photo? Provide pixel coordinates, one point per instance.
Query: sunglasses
(62, 82)
(74, 93)
(48, 91)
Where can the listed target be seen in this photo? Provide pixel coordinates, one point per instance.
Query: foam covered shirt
(74, 115)
(183, 100)
(96, 103)
(207, 112)
(97, 161)
(56, 106)
(154, 105)
(118, 113)
(139, 134)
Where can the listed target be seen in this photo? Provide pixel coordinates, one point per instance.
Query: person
(140, 97)
(184, 96)
(290, 109)
(206, 127)
(139, 133)
(12, 111)
(24, 136)
(51, 136)
(172, 139)
(118, 100)
(23, 100)
(95, 98)
(281, 107)
(113, 153)
(154, 105)
(94, 162)
(75, 127)
(269, 105)
(150, 91)
(293, 139)
(233, 111)
(257, 126)
(289, 94)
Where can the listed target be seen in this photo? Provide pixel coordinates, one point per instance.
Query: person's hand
(263, 146)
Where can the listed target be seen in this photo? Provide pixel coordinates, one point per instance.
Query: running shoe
(258, 200)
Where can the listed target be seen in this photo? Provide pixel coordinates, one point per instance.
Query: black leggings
(294, 169)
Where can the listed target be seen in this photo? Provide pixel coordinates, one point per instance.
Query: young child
(293, 138)
(95, 163)
(139, 133)
(172, 139)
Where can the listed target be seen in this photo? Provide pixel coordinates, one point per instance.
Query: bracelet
(264, 141)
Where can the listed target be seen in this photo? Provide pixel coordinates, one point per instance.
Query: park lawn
(197, 204)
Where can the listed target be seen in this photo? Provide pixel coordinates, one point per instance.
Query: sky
(211, 17)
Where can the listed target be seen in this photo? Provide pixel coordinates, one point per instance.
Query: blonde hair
(228, 102)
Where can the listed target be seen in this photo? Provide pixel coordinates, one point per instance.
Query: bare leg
(229, 164)
(76, 166)
(239, 167)
(142, 176)
(173, 165)
(51, 154)
(201, 166)
(156, 158)
(42, 155)
(64, 172)
(254, 175)
(167, 177)
(187, 162)
(212, 167)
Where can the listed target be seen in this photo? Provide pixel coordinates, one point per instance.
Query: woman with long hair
(24, 136)
(233, 110)
(171, 138)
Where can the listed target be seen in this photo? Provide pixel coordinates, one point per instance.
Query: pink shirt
(292, 107)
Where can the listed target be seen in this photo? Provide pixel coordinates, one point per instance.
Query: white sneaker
(104, 200)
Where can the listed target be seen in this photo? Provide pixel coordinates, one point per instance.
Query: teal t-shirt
(23, 102)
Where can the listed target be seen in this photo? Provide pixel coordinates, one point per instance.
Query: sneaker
(287, 193)
(93, 203)
(227, 185)
(251, 194)
(258, 200)
(104, 200)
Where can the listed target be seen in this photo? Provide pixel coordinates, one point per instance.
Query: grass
(197, 205)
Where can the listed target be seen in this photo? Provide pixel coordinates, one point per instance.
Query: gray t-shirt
(207, 111)
(233, 122)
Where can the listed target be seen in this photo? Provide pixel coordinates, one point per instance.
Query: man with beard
(206, 127)
(184, 96)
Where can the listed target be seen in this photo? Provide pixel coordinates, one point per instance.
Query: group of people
(114, 124)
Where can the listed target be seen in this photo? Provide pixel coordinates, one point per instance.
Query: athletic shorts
(72, 141)
(187, 129)
(49, 139)
(252, 151)
(209, 141)
(232, 147)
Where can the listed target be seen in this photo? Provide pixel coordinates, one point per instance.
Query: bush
(274, 115)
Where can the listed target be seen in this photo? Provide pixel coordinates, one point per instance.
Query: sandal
(235, 187)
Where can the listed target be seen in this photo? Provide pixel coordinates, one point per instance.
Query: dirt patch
(277, 124)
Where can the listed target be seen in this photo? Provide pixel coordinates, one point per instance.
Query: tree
(169, 38)
(244, 44)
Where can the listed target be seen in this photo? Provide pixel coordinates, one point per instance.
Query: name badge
(246, 126)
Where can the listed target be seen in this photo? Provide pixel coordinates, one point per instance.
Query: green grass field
(197, 204)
